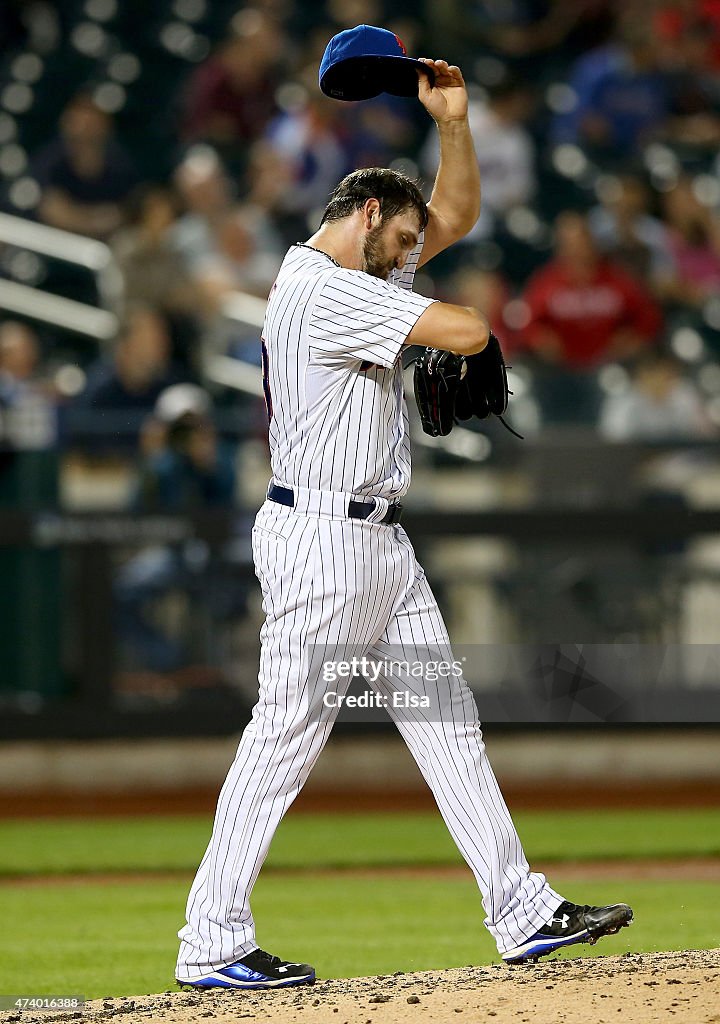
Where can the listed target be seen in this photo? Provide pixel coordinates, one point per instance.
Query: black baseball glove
(438, 376)
(449, 387)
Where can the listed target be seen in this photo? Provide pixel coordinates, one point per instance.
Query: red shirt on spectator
(671, 21)
(586, 317)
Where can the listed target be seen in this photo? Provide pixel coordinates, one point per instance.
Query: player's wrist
(453, 123)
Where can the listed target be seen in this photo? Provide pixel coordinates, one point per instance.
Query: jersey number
(266, 380)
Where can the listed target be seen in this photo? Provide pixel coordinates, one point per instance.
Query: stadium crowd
(191, 137)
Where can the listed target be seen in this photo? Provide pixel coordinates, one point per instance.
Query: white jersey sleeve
(364, 318)
(405, 276)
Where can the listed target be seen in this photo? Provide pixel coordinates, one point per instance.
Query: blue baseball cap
(364, 61)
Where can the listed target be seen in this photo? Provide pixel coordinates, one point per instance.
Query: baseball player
(337, 569)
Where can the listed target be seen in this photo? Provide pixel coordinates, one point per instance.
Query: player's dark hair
(394, 191)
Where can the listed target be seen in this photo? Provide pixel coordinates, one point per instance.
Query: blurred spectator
(27, 402)
(204, 190)
(660, 405)
(637, 89)
(626, 231)
(231, 96)
(245, 256)
(522, 29)
(694, 232)
(582, 311)
(311, 139)
(154, 272)
(270, 178)
(185, 468)
(19, 358)
(694, 87)
(122, 389)
(226, 246)
(620, 93)
(85, 174)
(672, 21)
(504, 150)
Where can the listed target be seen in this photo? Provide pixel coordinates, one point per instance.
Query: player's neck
(334, 242)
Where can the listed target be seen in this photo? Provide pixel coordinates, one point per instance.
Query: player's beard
(375, 258)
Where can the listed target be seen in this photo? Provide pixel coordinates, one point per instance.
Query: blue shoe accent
(570, 924)
(256, 970)
(538, 945)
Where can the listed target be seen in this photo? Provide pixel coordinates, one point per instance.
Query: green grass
(176, 844)
(98, 939)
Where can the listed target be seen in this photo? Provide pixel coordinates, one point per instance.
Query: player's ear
(371, 214)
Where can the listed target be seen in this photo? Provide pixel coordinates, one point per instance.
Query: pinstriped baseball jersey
(332, 337)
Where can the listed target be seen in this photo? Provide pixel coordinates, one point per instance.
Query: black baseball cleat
(256, 970)
(571, 924)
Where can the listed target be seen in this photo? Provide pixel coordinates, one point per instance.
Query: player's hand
(447, 99)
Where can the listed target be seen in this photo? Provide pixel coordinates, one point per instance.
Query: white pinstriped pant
(327, 580)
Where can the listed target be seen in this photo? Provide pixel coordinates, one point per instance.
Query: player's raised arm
(455, 202)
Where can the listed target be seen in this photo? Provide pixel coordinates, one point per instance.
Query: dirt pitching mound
(634, 988)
